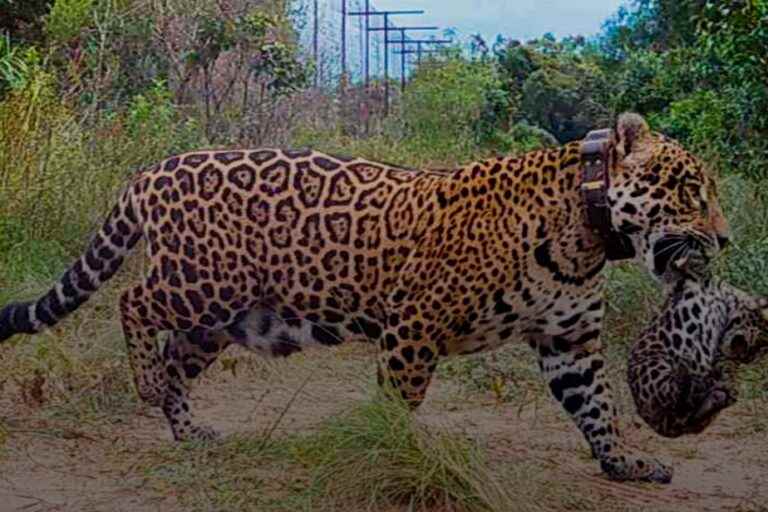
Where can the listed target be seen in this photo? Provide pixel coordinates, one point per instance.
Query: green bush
(35, 130)
(67, 18)
(60, 176)
(698, 70)
(746, 262)
(520, 138)
(443, 104)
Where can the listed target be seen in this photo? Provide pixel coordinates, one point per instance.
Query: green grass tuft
(378, 455)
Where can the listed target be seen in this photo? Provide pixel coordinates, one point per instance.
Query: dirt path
(52, 463)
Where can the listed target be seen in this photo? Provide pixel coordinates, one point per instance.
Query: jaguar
(681, 369)
(281, 250)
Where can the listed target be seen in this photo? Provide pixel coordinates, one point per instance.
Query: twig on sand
(276, 423)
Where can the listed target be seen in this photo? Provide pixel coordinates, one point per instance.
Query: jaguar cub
(681, 368)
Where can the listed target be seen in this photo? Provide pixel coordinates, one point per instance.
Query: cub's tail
(100, 261)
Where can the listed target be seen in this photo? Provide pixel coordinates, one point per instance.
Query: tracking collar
(597, 155)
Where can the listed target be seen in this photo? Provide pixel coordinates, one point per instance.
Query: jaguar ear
(632, 135)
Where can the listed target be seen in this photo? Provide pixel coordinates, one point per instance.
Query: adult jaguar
(276, 250)
(681, 368)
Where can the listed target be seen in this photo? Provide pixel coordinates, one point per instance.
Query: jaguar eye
(703, 204)
(697, 200)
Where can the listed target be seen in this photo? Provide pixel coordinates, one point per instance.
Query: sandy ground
(51, 463)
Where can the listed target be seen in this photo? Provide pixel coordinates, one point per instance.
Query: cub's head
(745, 338)
(663, 198)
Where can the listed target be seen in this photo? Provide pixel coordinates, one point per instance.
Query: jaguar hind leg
(407, 365)
(140, 333)
(712, 397)
(187, 355)
(144, 313)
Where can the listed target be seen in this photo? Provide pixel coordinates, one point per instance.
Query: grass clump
(377, 455)
(78, 371)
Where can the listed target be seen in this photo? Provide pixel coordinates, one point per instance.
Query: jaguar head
(663, 199)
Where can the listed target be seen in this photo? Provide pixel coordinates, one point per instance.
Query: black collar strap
(596, 162)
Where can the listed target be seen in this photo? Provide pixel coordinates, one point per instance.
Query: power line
(359, 50)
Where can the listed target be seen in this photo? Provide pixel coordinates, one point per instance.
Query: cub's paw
(638, 469)
(197, 434)
(151, 395)
(151, 389)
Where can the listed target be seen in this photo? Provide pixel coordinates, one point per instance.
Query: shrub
(36, 129)
(443, 105)
(67, 18)
(59, 176)
(746, 205)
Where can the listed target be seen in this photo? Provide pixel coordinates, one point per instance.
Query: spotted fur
(280, 250)
(681, 368)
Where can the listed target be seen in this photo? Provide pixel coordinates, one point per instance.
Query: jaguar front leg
(574, 367)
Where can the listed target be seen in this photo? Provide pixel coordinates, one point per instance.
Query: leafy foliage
(17, 64)
(657, 25)
(444, 103)
(709, 88)
(67, 18)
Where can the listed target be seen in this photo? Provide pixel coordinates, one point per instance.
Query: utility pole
(343, 38)
(402, 60)
(367, 65)
(418, 53)
(386, 29)
(315, 44)
(402, 42)
(419, 46)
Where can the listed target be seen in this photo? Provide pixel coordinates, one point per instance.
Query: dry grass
(77, 372)
(375, 456)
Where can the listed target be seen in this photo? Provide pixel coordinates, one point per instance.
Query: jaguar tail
(103, 257)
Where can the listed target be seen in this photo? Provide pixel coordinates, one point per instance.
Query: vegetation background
(91, 90)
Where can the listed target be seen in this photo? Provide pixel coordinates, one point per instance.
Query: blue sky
(518, 19)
